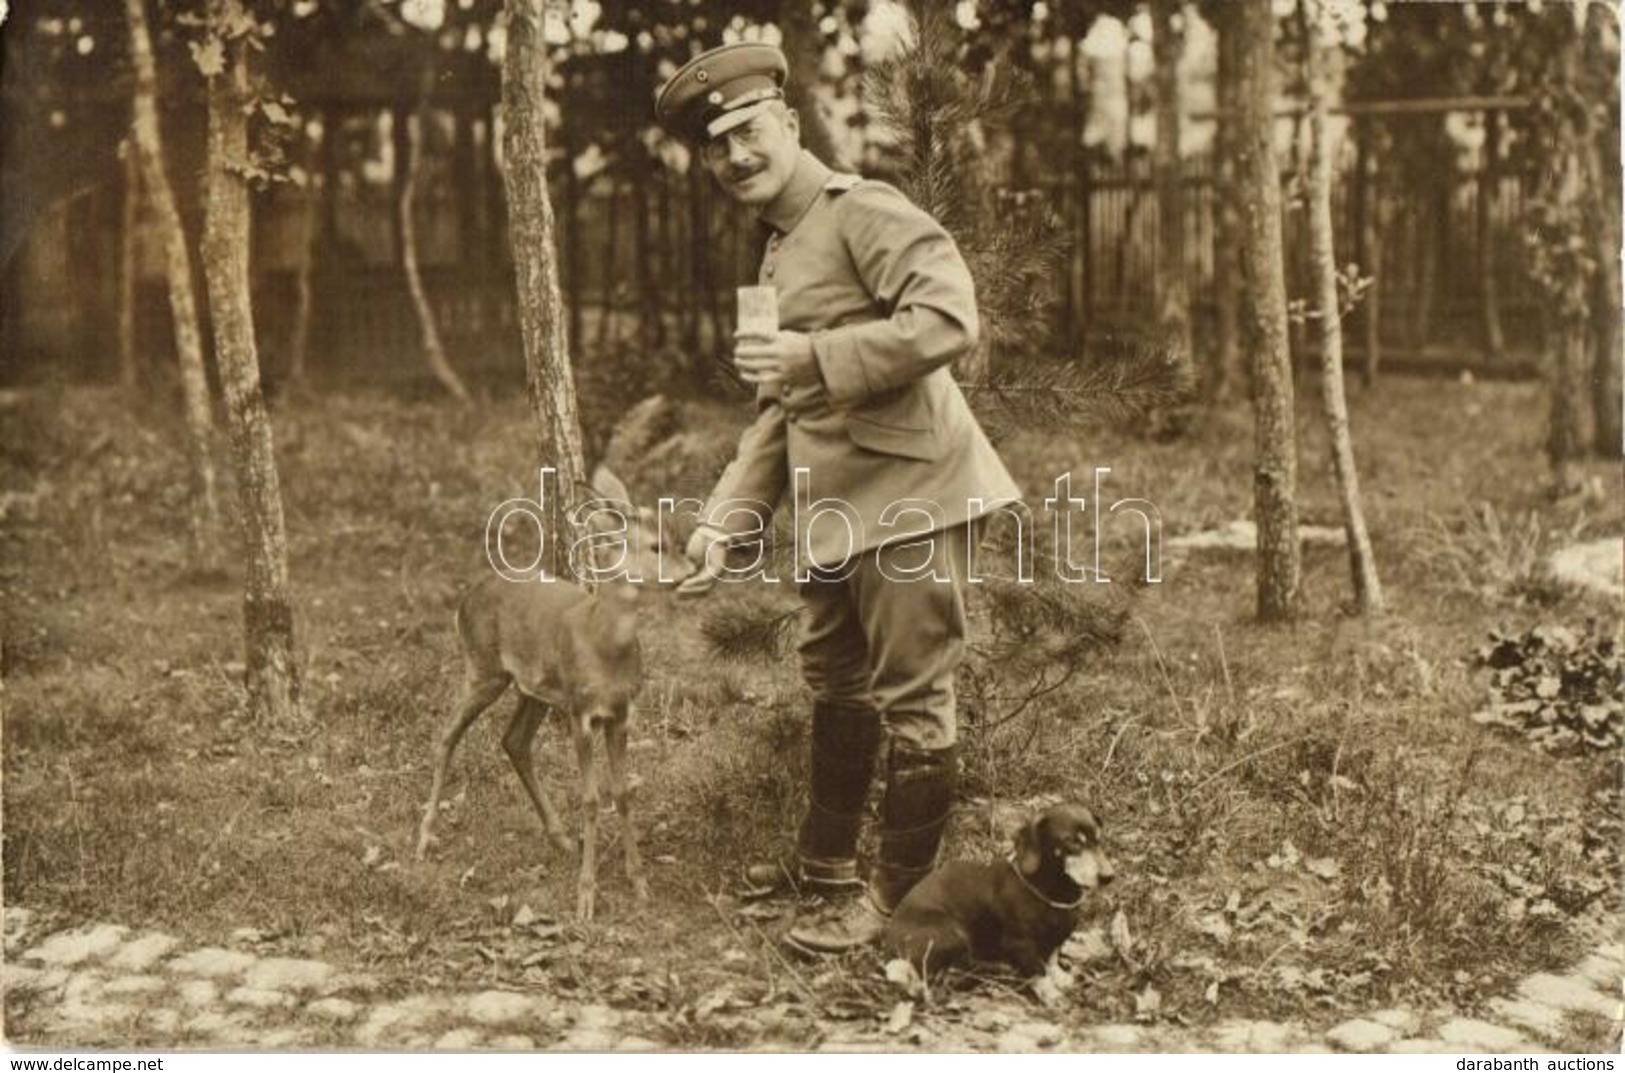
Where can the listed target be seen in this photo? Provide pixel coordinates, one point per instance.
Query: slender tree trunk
(1362, 563)
(651, 331)
(1371, 226)
(1225, 371)
(434, 353)
(130, 222)
(309, 214)
(1264, 319)
(1606, 385)
(1489, 295)
(609, 286)
(272, 676)
(804, 48)
(1173, 294)
(205, 509)
(531, 225)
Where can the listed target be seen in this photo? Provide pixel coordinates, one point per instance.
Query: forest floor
(1308, 823)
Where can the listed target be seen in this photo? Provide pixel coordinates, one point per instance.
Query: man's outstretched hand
(708, 551)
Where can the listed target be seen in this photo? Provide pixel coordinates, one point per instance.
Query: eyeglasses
(750, 135)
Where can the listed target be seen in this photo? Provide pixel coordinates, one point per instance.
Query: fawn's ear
(608, 486)
(1028, 857)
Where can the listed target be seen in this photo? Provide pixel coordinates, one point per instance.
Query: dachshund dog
(1017, 911)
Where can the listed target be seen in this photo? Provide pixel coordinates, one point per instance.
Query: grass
(1305, 820)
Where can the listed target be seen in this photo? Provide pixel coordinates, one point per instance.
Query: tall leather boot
(914, 814)
(845, 741)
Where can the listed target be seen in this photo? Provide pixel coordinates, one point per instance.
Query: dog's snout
(1105, 871)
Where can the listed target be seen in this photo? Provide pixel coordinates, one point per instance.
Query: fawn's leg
(480, 695)
(586, 883)
(527, 717)
(615, 747)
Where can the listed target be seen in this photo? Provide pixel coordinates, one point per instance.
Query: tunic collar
(806, 183)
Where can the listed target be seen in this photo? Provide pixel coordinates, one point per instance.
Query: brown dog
(1018, 911)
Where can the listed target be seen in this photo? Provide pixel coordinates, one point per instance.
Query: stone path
(103, 985)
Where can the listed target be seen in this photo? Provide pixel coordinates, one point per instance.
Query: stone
(1118, 1035)
(31, 981)
(1467, 1032)
(134, 985)
(458, 1039)
(162, 1021)
(1607, 974)
(20, 978)
(1361, 1036)
(82, 987)
(1028, 1037)
(353, 983)
(1404, 1022)
(197, 992)
(1533, 1017)
(69, 948)
(502, 1007)
(386, 1025)
(18, 923)
(1254, 1037)
(333, 1009)
(289, 974)
(638, 1045)
(86, 1019)
(259, 998)
(1568, 993)
(511, 1043)
(143, 952)
(286, 1037)
(214, 962)
(226, 1028)
(1427, 1046)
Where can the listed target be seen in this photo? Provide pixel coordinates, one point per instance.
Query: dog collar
(1036, 893)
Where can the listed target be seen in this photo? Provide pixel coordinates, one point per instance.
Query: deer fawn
(571, 651)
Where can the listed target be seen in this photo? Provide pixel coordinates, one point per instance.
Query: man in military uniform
(861, 425)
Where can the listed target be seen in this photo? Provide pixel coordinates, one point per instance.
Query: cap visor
(727, 121)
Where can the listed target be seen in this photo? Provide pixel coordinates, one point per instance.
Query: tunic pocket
(898, 423)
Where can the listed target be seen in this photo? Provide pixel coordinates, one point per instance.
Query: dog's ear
(1028, 856)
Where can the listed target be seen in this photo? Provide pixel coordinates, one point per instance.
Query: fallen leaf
(372, 856)
(1122, 941)
(524, 916)
(906, 976)
(1212, 993)
(902, 1015)
(1147, 1003)
(1324, 867)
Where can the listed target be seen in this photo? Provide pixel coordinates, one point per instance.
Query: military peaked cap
(721, 89)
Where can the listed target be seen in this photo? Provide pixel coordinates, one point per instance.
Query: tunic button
(769, 271)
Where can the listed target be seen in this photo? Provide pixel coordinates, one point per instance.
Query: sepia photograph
(917, 527)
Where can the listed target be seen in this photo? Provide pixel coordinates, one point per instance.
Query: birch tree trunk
(1489, 181)
(532, 230)
(1225, 371)
(309, 209)
(434, 353)
(1372, 321)
(1173, 296)
(1362, 564)
(129, 223)
(204, 522)
(272, 675)
(1264, 320)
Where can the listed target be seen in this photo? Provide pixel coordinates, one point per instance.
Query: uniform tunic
(882, 463)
